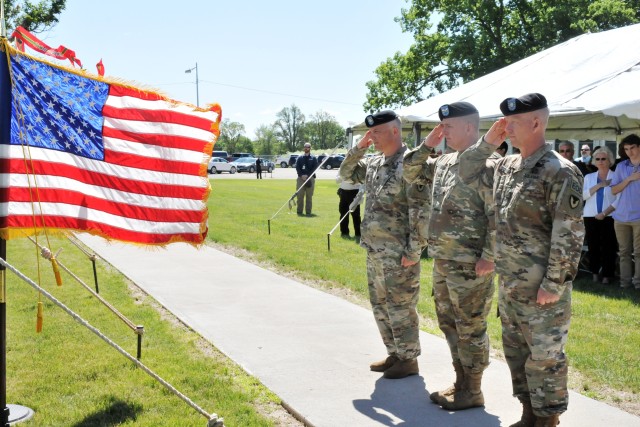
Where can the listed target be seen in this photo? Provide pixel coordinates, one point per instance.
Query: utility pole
(197, 83)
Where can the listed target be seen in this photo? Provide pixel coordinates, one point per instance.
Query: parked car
(267, 165)
(248, 164)
(292, 160)
(288, 160)
(222, 154)
(334, 162)
(219, 165)
(236, 156)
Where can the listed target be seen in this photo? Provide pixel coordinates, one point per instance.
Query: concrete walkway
(313, 349)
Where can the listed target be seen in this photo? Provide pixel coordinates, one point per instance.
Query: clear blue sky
(254, 57)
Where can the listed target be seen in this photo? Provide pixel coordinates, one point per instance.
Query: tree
(323, 131)
(34, 16)
(476, 37)
(266, 141)
(244, 145)
(230, 136)
(289, 127)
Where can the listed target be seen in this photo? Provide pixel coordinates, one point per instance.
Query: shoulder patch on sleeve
(572, 198)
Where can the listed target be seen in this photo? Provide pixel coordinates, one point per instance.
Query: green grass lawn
(70, 377)
(604, 339)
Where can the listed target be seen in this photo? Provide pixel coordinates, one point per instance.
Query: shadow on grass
(583, 283)
(115, 413)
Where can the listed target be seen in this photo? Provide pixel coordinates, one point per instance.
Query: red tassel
(100, 68)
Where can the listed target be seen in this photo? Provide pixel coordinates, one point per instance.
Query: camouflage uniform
(393, 226)
(539, 235)
(461, 231)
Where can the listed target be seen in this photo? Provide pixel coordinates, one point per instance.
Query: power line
(263, 91)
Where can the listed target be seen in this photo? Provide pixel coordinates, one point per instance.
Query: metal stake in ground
(354, 204)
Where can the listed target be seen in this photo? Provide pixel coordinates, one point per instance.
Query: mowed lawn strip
(70, 377)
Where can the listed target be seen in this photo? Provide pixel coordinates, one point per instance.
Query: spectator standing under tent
(626, 184)
(599, 204)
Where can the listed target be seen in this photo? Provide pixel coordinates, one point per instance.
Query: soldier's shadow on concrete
(406, 403)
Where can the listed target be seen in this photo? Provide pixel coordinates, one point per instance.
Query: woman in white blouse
(599, 203)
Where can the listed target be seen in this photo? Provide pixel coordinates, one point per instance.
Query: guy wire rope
(137, 329)
(213, 420)
(291, 201)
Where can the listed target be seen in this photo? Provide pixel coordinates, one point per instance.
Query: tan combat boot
(401, 369)
(383, 365)
(550, 421)
(528, 417)
(457, 386)
(469, 397)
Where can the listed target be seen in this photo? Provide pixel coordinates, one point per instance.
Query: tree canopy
(290, 127)
(456, 41)
(231, 135)
(34, 16)
(288, 133)
(323, 131)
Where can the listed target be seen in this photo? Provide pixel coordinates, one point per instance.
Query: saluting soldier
(539, 235)
(393, 233)
(461, 242)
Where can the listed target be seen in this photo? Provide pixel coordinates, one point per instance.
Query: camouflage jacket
(461, 222)
(394, 221)
(539, 228)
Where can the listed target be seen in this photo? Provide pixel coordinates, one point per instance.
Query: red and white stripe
(151, 187)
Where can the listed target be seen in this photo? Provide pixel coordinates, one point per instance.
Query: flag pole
(16, 412)
(4, 133)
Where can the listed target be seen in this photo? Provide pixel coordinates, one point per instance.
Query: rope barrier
(81, 247)
(92, 257)
(291, 202)
(46, 252)
(352, 206)
(213, 420)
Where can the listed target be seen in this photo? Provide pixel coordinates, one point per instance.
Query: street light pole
(197, 87)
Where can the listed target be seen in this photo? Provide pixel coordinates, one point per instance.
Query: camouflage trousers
(394, 291)
(463, 301)
(533, 337)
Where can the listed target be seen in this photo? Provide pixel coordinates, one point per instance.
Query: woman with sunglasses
(599, 203)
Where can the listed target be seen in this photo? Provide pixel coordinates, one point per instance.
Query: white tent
(591, 82)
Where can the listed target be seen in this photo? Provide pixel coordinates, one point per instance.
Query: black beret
(457, 109)
(379, 118)
(524, 104)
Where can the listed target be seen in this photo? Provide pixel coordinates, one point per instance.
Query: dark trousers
(346, 197)
(602, 244)
(259, 173)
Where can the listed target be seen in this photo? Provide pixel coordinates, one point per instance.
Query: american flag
(91, 155)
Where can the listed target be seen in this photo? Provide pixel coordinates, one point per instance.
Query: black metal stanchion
(139, 333)
(95, 273)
